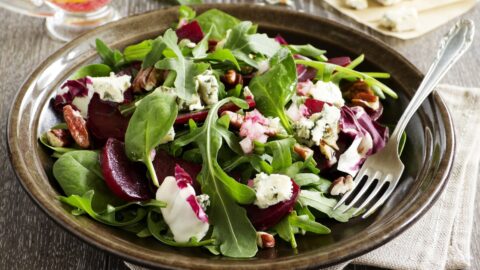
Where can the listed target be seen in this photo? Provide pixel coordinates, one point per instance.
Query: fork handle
(453, 45)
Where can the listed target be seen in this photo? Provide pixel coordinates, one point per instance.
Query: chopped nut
(328, 151)
(236, 119)
(146, 79)
(341, 185)
(232, 78)
(303, 151)
(265, 240)
(360, 94)
(77, 126)
(58, 137)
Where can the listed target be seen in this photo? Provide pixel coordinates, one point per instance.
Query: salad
(215, 136)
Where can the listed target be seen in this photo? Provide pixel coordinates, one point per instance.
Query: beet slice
(164, 166)
(191, 30)
(262, 219)
(200, 116)
(125, 178)
(340, 61)
(314, 105)
(105, 120)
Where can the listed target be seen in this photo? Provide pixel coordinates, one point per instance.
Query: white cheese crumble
(111, 88)
(207, 86)
(271, 189)
(400, 20)
(357, 4)
(327, 92)
(204, 201)
(388, 2)
(178, 214)
(170, 136)
(322, 126)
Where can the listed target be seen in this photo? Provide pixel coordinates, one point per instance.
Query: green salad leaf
(94, 70)
(221, 21)
(309, 51)
(78, 172)
(150, 122)
(318, 201)
(274, 89)
(223, 55)
(137, 52)
(186, 13)
(155, 53)
(112, 58)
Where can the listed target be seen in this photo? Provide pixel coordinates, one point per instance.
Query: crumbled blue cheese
(327, 92)
(170, 136)
(111, 88)
(207, 87)
(357, 4)
(388, 2)
(303, 129)
(204, 201)
(271, 189)
(400, 20)
(320, 127)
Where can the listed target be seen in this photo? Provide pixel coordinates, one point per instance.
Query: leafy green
(112, 58)
(223, 55)
(221, 21)
(58, 151)
(94, 70)
(261, 43)
(309, 51)
(78, 172)
(109, 216)
(185, 69)
(232, 229)
(150, 122)
(238, 37)
(281, 152)
(274, 89)
(325, 205)
(137, 52)
(155, 53)
(156, 226)
(200, 50)
(186, 13)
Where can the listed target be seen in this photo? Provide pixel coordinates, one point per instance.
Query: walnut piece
(265, 240)
(341, 185)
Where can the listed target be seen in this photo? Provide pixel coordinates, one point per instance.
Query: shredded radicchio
(75, 88)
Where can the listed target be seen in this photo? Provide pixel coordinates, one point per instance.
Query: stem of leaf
(151, 170)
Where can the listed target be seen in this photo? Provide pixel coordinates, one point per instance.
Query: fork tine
(357, 179)
(372, 195)
(362, 191)
(384, 197)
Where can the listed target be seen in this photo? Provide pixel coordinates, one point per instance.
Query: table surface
(30, 240)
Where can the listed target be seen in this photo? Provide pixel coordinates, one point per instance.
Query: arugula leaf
(185, 69)
(238, 37)
(186, 13)
(274, 89)
(112, 58)
(232, 229)
(219, 19)
(282, 153)
(242, 56)
(137, 52)
(313, 180)
(309, 51)
(223, 55)
(150, 122)
(78, 172)
(83, 205)
(261, 43)
(156, 226)
(94, 70)
(155, 53)
(200, 50)
(325, 205)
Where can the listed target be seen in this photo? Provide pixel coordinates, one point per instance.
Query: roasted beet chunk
(164, 165)
(191, 30)
(105, 120)
(125, 178)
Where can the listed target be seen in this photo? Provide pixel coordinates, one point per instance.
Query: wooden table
(30, 240)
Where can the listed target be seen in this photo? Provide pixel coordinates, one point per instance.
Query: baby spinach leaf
(185, 69)
(325, 205)
(110, 216)
(78, 172)
(221, 20)
(312, 180)
(156, 226)
(155, 53)
(112, 58)
(238, 37)
(232, 229)
(137, 52)
(309, 51)
(150, 122)
(282, 153)
(261, 43)
(94, 70)
(274, 89)
(223, 55)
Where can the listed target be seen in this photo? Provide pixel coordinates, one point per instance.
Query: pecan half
(341, 185)
(360, 94)
(59, 137)
(146, 79)
(77, 126)
(303, 151)
(231, 78)
(265, 240)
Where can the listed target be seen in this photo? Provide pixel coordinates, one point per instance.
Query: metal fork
(386, 166)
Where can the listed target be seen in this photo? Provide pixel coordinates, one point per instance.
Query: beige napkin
(431, 14)
(441, 238)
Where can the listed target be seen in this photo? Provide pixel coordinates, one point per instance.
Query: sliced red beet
(125, 178)
(191, 30)
(280, 40)
(165, 165)
(340, 61)
(105, 120)
(262, 219)
(200, 116)
(314, 105)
